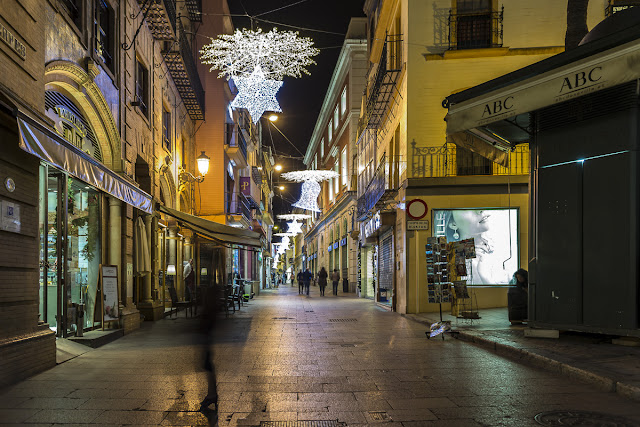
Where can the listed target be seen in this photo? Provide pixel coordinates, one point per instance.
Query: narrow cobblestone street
(286, 357)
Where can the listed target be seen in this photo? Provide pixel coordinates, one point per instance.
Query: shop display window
(495, 233)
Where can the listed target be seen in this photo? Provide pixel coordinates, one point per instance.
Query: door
(69, 251)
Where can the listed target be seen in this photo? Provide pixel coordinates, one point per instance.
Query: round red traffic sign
(417, 209)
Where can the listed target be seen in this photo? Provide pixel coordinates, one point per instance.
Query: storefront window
(83, 239)
(495, 234)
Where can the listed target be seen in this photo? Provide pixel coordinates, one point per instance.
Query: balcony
(381, 189)
(160, 17)
(238, 210)
(183, 70)
(475, 29)
(381, 82)
(235, 146)
(194, 7)
(450, 160)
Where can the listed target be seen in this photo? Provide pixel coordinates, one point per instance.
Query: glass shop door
(69, 251)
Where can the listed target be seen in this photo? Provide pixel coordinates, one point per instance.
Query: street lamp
(281, 187)
(278, 168)
(273, 118)
(203, 167)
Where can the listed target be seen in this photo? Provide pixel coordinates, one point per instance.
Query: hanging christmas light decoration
(294, 227)
(256, 94)
(277, 53)
(257, 62)
(310, 186)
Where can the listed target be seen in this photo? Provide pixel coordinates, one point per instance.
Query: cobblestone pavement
(287, 357)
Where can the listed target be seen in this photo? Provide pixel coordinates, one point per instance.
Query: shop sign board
(335, 245)
(245, 185)
(418, 225)
(372, 225)
(16, 45)
(329, 248)
(108, 294)
(343, 241)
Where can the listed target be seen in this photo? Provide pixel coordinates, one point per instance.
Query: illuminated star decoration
(256, 94)
(294, 227)
(310, 186)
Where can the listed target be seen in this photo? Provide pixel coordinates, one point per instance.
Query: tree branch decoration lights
(277, 53)
(310, 186)
(256, 94)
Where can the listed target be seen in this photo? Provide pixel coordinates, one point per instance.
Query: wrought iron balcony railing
(448, 160)
(194, 7)
(381, 82)
(161, 17)
(382, 187)
(182, 68)
(237, 204)
(475, 29)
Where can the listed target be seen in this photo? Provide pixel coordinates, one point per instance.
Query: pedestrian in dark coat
(322, 280)
(307, 276)
(335, 278)
(518, 297)
(300, 278)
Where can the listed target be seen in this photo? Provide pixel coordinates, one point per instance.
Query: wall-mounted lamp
(278, 168)
(171, 270)
(203, 271)
(203, 167)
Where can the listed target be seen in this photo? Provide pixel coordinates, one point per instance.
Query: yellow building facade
(412, 182)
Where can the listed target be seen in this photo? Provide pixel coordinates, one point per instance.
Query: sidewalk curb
(601, 382)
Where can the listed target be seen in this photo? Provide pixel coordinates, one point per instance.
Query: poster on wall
(488, 238)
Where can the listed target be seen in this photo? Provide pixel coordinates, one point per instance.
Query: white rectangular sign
(418, 225)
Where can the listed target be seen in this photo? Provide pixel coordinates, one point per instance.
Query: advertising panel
(495, 232)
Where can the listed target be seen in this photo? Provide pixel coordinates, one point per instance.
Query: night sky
(300, 99)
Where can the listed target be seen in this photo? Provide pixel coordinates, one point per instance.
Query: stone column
(147, 279)
(115, 237)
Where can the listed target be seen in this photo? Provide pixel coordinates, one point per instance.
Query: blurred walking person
(335, 278)
(300, 278)
(307, 276)
(207, 327)
(322, 280)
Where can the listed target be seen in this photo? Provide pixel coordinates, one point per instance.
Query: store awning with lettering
(494, 116)
(42, 142)
(215, 231)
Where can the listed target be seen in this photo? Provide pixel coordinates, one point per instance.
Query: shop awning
(36, 139)
(218, 232)
(493, 117)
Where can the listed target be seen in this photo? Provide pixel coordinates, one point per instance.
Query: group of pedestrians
(304, 281)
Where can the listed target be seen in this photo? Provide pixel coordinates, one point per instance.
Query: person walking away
(300, 278)
(322, 280)
(518, 297)
(335, 278)
(307, 276)
(207, 327)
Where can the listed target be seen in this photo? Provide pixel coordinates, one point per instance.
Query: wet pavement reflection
(288, 357)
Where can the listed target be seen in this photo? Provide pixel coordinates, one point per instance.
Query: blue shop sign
(329, 248)
(335, 245)
(343, 241)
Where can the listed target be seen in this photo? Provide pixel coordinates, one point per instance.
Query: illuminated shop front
(377, 259)
(495, 234)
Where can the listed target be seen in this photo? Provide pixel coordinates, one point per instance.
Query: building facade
(332, 147)
(238, 191)
(413, 181)
(99, 110)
